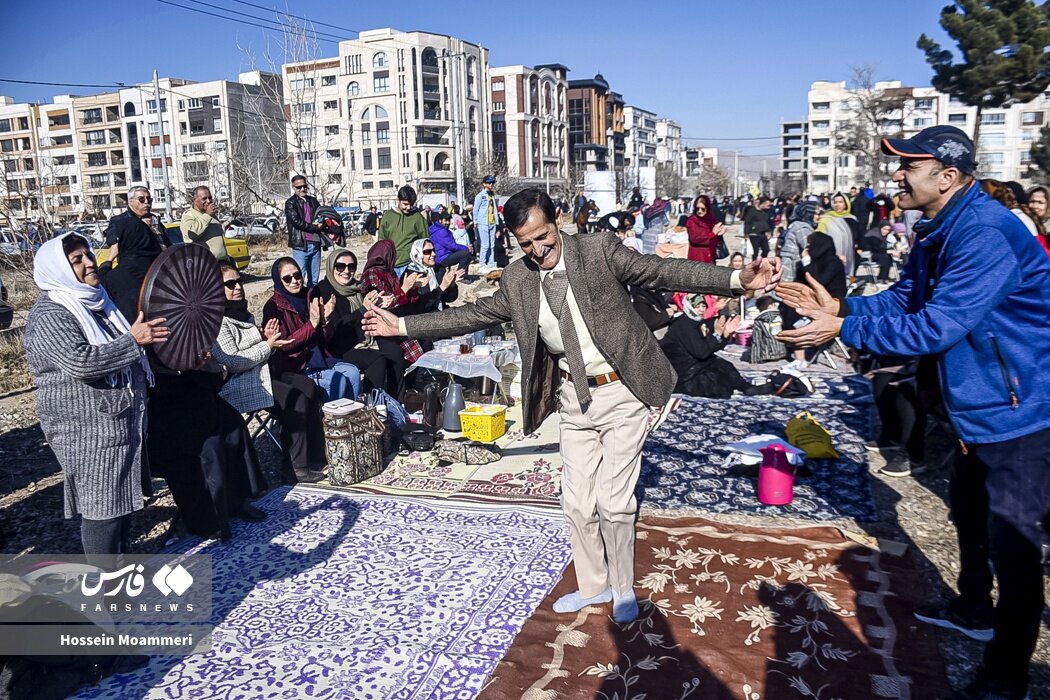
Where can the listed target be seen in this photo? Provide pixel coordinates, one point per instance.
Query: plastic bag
(805, 432)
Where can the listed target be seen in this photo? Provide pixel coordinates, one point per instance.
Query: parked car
(95, 233)
(237, 249)
(260, 227)
(7, 313)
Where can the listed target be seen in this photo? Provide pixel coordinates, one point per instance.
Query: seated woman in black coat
(343, 336)
(690, 345)
(436, 285)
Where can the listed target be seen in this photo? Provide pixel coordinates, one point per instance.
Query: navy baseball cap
(948, 144)
(489, 179)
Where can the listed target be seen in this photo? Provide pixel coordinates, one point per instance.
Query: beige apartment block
(388, 111)
(530, 128)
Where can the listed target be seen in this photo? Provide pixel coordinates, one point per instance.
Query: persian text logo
(131, 581)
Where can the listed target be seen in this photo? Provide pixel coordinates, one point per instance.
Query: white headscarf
(53, 274)
(417, 264)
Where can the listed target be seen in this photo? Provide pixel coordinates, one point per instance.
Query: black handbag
(722, 250)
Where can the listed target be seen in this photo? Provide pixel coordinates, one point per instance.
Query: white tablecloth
(469, 365)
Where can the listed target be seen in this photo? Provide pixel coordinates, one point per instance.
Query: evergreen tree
(1004, 57)
(1040, 168)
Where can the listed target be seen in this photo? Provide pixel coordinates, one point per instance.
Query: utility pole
(736, 174)
(457, 128)
(163, 151)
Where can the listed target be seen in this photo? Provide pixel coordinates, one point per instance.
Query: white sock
(573, 602)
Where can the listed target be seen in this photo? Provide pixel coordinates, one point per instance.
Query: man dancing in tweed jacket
(586, 353)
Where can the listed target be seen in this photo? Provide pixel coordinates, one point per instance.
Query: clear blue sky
(730, 68)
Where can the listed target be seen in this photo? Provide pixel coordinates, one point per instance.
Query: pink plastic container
(743, 338)
(776, 477)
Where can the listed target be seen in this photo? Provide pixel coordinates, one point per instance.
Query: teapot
(454, 403)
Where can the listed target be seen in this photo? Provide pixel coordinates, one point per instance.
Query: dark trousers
(759, 244)
(460, 258)
(999, 497)
(396, 365)
(901, 413)
(373, 366)
(105, 540)
(297, 403)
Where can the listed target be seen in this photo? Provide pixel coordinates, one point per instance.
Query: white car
(93, 232)
(263, 227)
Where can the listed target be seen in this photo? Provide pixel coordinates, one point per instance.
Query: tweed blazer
(243, 350)
(598, 266)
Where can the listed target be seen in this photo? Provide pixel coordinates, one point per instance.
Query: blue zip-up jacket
(444, 242)
(987, 321)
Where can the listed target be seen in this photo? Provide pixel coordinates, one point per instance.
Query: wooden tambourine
(184, 286)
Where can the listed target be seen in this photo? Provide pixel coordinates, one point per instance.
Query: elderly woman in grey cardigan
(91, 374)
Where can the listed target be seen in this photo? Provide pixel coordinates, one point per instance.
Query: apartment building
(530, 128)
(101, 161)
(639, 137)
(57, 160)
(389, 110)
(1003, 148)
(596, 125)
(19, 151)
(669, 144)
(794, 153)
(225, 134)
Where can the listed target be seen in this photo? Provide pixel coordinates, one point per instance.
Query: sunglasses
(428, 251)
(343, 267)
(233, 284)
(298, 276)
(302, 187)
(143, 200)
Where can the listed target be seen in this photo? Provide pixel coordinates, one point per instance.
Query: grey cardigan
(244, 352)
(598, 267)
(95, 430)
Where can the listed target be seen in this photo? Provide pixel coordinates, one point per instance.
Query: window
(96, 160)
(154, 129)
(327, 80)
(154, 150)
(306, 133)
(498, 84)
(382, 135)
(499, 107)
(182, 128)
(151, 106)
(216, 125)
(821, 106)
(95, 138)
(307, 157)
(99, 180)
(992, 158)
(381, 113)
(331, 131)
(64, 160)
(381, 84)
(471, 69)
(379, 60)
(821, 125)
(366, 136)
(5, 125)
(330, 105)
(499, 127)
(384, 161)
(353, 89)
(993, 140)
(921, 122)
(925, 103)
(367, 159)
(160, 195)
(214, 101)
(192, 148)
(1026, 157)
(1031, 118)
(386, 183)
(94, 116)
(195, 103)
(336, 179)
(994, 118)
(334, 154)
(302, 84)
(305, 107)
(956, 118)
(821, 143)
(352, 64)
(367, 185)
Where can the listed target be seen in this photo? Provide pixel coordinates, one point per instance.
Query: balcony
(431, 89)
(430, 68)
(432, 114)
(431, 141)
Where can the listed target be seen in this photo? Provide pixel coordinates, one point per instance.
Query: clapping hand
(412, 280)
(329, 308)
(272, 334)
(761, 275)
(371, 299)
(315, 312)
(452, 275)
(727, 326)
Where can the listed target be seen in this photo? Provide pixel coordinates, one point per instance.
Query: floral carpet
(732, 612)
(343, 596)
(684, 465)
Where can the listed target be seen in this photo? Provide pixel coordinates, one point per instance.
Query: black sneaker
(984, 688)
(954, 616)
(899, 467)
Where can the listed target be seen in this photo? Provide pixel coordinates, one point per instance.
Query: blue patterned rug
(683, 461)
(344, 596)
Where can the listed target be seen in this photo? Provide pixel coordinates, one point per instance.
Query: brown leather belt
(600, 380)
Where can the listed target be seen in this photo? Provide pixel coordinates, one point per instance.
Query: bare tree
(669, 183)
(877, 113)
(713, 180)
(475, 170)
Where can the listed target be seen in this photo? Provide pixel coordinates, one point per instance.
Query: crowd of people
(609, 323)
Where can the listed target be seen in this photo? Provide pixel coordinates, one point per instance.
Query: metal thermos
(454, 403)
(431, 404)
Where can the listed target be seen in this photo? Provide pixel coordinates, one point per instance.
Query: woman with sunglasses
(244, 350)
(344, 337)
(436, 284)
(704, 231)
(301, 322)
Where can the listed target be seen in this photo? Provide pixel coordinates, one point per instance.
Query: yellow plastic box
(484, 423)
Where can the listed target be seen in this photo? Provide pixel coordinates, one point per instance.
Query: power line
(742, 138)
(40, 82)
(280, 27)
(298, 17)
(278, 22)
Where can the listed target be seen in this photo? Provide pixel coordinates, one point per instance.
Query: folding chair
(867, 261)
(267, 422)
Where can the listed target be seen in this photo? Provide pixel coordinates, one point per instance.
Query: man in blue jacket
(976, 296)
(486, 221)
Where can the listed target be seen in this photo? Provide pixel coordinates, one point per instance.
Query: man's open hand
(379, 322)
(761, 275)
(823, 328)
(812, 296)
